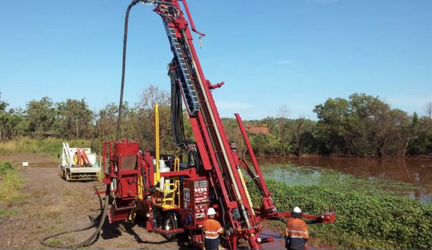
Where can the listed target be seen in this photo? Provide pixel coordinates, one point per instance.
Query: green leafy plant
(367, 217)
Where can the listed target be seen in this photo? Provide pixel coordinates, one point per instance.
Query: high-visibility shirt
(296, 234)
(212, 228)
(297, 228)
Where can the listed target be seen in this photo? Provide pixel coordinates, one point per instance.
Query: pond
(411, 177)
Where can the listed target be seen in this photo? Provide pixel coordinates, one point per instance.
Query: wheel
(158, 217)
(61, 173)
(170, 223)
(68, 176)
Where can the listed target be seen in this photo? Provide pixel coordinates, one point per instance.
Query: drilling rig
(173, 192)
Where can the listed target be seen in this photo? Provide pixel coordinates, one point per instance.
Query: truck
(78, 164)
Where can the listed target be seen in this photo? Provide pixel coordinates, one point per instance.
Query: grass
(55, 243)
(51, 146)
(10, 191)
(368, 217)
(6, 214)
(10, 185)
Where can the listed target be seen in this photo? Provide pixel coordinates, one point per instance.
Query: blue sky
(293, 53)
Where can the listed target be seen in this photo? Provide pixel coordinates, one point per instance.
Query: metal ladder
(187, 85)
(172, 190)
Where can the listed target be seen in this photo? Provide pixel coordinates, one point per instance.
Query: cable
(176, 106)
(100, 219)
(123, 77)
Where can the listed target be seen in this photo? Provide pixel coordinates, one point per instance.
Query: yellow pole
(140, 188)
(247, 192)
(157, 144)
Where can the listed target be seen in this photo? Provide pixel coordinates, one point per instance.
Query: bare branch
(428, 110)
(283, 112)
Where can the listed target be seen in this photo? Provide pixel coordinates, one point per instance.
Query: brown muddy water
(415, 172)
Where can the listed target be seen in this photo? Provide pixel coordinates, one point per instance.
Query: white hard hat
(211, 211)
(297, 210)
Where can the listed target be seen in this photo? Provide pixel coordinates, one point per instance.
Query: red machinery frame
(221, 165)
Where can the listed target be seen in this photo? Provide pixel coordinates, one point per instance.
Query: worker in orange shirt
(296, 233)
(212, 228)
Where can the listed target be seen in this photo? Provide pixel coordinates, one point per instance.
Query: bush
(364, 221)
(5, 167)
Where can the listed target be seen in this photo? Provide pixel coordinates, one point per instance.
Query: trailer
(78, 164)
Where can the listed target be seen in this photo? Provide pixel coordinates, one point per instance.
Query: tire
(68, 176)
(170, 222)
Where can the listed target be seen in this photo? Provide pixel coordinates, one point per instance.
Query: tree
(153, 95)
(421, 144)
(12, 124)
(370, 123)
(298, 131)
(331, 126)
(363, 126)
(3, 106)
(428, 110)
(106, 122)
(41, 117)
(234, 135)
(399, 132)
(146, 117)
(283, 130)
(412, 132)
(74, 119)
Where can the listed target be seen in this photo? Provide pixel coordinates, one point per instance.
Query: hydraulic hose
(100, 219)
(123, 77)
(176, 106)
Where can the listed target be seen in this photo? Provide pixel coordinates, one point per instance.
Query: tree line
(361, 125)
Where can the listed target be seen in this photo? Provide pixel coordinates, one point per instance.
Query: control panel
(196, 199)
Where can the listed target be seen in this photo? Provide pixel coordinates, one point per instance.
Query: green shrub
(5, 167)
(364, 220)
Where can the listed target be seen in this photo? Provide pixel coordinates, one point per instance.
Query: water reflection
(416, 171)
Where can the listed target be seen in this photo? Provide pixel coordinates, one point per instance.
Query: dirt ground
(52, 205)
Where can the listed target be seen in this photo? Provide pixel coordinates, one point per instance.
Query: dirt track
(53, 205)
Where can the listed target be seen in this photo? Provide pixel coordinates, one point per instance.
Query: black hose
(123, 77)
(100, 219)
(176, 106)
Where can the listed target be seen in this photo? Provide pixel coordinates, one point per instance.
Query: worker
(296, 232)
(212, 228)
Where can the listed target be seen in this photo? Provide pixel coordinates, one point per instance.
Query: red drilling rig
(173, 192)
